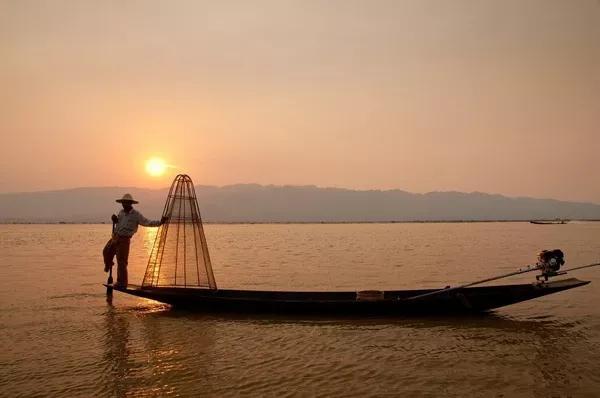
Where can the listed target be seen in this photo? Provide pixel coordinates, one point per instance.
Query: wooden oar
(581, 267)
(109, 282)
(441, 291)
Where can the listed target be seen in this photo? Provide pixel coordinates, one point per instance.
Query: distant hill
(258, 203)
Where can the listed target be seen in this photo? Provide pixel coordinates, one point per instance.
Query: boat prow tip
(583, 283)
(569, 283)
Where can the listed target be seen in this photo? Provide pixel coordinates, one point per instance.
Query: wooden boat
(179, 273)
(389, 303)
(548, 222)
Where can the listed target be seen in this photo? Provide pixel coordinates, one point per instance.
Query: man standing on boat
(124, 226)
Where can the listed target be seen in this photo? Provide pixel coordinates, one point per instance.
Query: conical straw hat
(126, 198)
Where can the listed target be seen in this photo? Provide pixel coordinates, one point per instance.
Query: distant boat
(549, 222)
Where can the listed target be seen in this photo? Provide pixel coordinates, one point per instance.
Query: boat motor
(549, 262)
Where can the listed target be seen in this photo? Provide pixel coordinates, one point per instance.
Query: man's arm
(150, 223)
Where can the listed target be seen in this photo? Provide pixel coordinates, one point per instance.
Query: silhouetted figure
(126, 225)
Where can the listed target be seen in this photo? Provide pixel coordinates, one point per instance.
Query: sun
(156, 167)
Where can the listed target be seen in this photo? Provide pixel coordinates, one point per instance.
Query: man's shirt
(128, 222)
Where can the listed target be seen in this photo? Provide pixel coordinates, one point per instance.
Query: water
(59, 337)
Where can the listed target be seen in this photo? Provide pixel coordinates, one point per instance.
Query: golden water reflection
(150, 235)
(147, 352)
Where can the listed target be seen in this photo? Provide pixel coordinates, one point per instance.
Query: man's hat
(126, 198)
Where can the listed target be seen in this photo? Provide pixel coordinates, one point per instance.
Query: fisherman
(126, 225)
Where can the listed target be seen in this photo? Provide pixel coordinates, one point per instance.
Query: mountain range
(260, 203)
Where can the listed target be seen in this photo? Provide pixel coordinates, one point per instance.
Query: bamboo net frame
(179, 256)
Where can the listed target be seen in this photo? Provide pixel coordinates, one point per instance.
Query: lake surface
(59, 336)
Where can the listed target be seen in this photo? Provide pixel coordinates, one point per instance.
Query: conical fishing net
(179, 256)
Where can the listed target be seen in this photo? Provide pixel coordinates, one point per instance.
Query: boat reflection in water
(153, 351)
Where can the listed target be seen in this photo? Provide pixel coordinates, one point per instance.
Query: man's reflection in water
(116, 353)
(154, 351)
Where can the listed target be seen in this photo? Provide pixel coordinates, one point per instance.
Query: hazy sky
(494, 96)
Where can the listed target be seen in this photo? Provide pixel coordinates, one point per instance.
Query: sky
(465, 95)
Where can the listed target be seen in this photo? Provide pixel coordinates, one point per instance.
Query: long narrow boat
(390, 302)
(179, 273)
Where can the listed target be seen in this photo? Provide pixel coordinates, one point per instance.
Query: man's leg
(122, 259)
(109, 251)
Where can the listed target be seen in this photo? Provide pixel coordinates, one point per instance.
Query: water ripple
(61, 338)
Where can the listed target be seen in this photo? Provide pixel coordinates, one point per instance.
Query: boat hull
(549, 222)
(392, 302)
